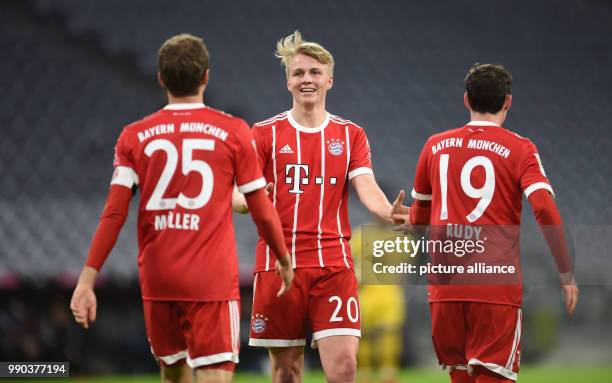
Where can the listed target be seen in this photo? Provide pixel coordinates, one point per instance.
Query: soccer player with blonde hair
(310, 157)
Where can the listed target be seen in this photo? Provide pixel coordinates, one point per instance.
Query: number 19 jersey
(185, 159)
(476, 175)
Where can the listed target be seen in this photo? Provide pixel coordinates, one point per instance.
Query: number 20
(485, 193)
(352, 309)
(157, 200)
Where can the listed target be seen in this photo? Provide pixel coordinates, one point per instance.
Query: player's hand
(269, 188)
(400, 214)
(83, 305)
(285, 271)
(571, 291)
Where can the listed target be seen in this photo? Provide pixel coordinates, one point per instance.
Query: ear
(160, 81)
(466, 101)
(508, 103)
(205, 77)
(330, 83)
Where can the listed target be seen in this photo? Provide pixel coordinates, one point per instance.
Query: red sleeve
(548, 217)
(125, 168)
(246, 167)
(361, 157)
(112, 219)
(421, 189)
(420, 212)
(267, 221)
(532, 175)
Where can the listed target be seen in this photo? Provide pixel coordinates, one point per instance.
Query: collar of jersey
(304, 129)
(192, 105)
(482, 123)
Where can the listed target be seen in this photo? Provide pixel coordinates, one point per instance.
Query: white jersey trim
(482, 123)
(359, 171)
(517, 340)
(348, 159)
(276, 342)
(274, 194)
(321, 197)
(252, 186)
(536, 186)
(171, 359)
(496, 368)
(124, 176)
(234, 325)
(420, 196)
(304, 129)
(336, 331)
(212, 359)
(183, 106)
(297, 202)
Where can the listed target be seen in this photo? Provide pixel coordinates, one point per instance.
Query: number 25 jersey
(185, 159)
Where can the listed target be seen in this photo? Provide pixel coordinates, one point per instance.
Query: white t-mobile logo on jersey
(297, 179)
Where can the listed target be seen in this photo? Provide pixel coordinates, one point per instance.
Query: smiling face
(308, 80)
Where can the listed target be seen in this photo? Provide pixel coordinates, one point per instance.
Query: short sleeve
(421, 189)
(361, 157)
(125, 169)
(248, 172)
(532, 174)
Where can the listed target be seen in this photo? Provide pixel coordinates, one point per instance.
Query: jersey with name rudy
(184, 159)
(474, 177)
(311, 169)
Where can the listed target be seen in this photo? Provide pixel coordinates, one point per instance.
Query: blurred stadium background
(74, 72)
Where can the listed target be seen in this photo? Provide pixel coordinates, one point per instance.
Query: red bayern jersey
(476, 175)
(185, 159)
(311, 169)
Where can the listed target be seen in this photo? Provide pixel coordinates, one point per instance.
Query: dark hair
(487, 86)
(182, 61)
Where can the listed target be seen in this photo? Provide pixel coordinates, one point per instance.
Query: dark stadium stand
(74, 72)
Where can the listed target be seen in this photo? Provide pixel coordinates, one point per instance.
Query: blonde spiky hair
(289, 46)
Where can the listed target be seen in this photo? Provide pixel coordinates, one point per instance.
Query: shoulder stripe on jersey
(420, 196)
(536, 186)
(124, 176)
(252, 186)
(343, 121)
(297, 201)
(359, 171)
(321, 197)
(274, 193)
(281, 116)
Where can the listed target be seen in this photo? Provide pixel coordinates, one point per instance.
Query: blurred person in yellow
(382, 319)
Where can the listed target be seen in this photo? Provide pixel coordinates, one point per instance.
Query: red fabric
(548, 217)
(420, 212)
(482, 375)
(476, 175)
(203, 329)
(311, 170)
(477, 333)
(461, 376)
(267, 221)
(320, 299)
(111, 221)
(185, 163)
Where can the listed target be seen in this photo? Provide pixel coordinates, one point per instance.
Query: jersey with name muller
(311, 169)
(184, 159)
(475, 176)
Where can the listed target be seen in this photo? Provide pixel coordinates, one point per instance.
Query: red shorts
(477, 334)
(206, 334)
(326, 298)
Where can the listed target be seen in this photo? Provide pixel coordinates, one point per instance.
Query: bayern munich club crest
(258, 323)
(335, 146)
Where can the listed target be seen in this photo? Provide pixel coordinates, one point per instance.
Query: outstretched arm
(372, 197)
(548, 217)
(83, 302)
